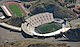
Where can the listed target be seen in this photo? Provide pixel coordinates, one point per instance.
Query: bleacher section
(40, 19)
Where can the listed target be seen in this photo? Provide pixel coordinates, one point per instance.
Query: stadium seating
(40, 19)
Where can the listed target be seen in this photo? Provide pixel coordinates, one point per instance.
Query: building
(77, 9)
(70, 5)
(1, 15)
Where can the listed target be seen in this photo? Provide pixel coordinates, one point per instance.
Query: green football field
(47, 28)
(16, 10)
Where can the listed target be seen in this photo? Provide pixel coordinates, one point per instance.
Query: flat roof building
(1, 15)
(77, 9)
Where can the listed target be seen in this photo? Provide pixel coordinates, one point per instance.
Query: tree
(15, 21)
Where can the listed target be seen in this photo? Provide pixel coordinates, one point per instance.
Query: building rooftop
(77, 9)
(1, 15)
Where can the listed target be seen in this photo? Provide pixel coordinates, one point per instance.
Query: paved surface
(75, 23)
(10, 36)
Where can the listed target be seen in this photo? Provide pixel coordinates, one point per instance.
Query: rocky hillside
(52, 7)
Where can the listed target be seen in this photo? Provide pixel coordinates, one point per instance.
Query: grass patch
(50, 27)
(16, 10)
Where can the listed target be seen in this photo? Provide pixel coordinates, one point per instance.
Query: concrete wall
(10, 26)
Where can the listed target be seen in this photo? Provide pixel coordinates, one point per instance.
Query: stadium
(43, 24)
(14, 9)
